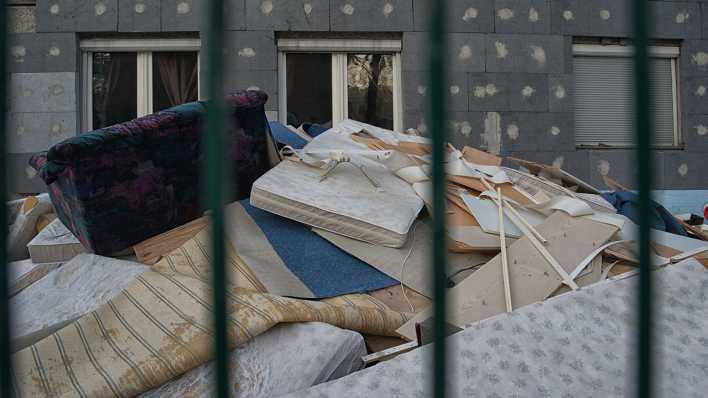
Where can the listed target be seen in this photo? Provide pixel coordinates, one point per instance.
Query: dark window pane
(114, 88)
(309, 88)
(174, 79)
(370, 89)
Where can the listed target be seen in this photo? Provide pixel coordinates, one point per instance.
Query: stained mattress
(346, 202)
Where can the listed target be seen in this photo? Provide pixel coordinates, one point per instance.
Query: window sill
(629, 147)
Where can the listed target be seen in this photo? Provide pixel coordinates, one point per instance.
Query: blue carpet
(284, 136)
(324, 268)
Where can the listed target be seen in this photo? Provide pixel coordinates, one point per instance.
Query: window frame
(339, 50)
(671, 52)
(144, 48)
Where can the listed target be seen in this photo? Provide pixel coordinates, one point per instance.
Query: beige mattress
(346, 202)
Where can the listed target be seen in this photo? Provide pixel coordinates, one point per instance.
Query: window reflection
(114, 88)
(370, 89)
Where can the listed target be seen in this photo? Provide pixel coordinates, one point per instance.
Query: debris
(291, 260)
(284, 359)
(54, 244)
(532, 278)
(340, 212)
(150, 251)
(24, 227)
(22, 274)
(565, 339)
(67, 293)
(415, 271)
(346, 202)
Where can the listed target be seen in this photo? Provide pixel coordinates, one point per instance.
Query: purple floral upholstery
(120, 185)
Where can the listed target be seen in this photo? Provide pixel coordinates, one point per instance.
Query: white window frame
(339, 49)
(671, 52)
(144, 49)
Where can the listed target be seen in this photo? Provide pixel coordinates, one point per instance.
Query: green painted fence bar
(643, 133)
(214, 187)
(437, 110)
(5, 370)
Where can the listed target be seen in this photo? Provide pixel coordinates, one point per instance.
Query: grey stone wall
(510, 87)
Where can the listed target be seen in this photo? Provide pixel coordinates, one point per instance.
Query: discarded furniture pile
(328, 257)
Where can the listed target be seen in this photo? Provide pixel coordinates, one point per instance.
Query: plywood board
(481, 295)
(151, 250)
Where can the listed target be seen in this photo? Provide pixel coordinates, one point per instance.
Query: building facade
(545, 80)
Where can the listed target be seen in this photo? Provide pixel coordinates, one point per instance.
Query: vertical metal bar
(5, 362)
(643, 135)
(436, 107)
(212, 186)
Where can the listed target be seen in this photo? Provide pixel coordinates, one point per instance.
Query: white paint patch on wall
(701, 91)
(502, 52)
(491, 137)
(422, 90)
(512, 131)
(558, 162)
(267, 7)
(307, 7)
(54, 51)
(701, 130)
(505, 14)
(568, 15)
(682, 17)
(603, 167)
(538, 54)
(100, 8)
(491, 89)
(466, 129)
(56, 89)
(533, 15)
(139, 8)
(683, 169)
(465, 53)
(183, 8)
(387, 9)
(454, 90)
(470, 14)
(700, 58)
(30, 172)
(555, 131)
(18, 53)
(54, 9)
(605, 15)
(559, 91)
(348, 9)
(527, 91)
(247, 52)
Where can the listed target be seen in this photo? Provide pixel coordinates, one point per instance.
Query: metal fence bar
(213, 187)
(437, 107)
(643, 135)
(5, 371)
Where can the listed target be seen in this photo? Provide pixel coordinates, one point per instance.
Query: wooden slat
(151, 250)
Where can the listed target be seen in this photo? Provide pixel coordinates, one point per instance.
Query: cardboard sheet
(416, 271)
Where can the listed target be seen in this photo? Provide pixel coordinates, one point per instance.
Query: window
(125, 79)
(603, 95)
(325, 81)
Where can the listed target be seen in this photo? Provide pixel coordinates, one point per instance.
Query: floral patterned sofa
(119, 185)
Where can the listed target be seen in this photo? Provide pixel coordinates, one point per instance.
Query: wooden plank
(505, 263)
(150, 251)
(389, 353)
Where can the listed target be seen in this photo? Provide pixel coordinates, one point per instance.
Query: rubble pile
(338, 232)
